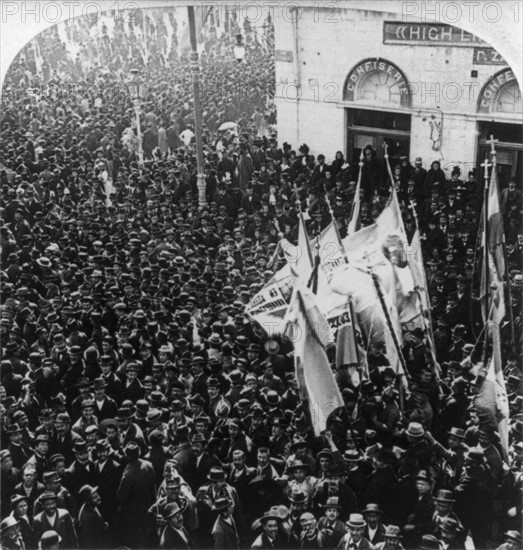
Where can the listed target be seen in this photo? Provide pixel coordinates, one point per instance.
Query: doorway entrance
(374, 128)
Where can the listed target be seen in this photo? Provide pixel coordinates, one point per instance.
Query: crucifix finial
(492, 142)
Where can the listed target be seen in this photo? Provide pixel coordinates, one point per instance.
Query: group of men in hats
(141, 408)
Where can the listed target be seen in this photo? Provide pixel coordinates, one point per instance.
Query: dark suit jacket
(184, 455)
(134, 392)
(171, 540)
(79, 475)
(108, 410)
(201, 471)
(346, 540)
(20, 454)
(63, 526)
(225, 535)
(36, 491)
(65, 447)
(107, 482)
(379, 535)
(91, 528)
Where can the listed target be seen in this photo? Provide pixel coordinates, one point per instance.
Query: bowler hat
(221, 503)
(332, 502)
(216, 474)
(444, 496)
(171, 510)
(372, 508)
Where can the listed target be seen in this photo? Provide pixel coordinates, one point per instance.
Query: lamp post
(202, 199)
(135, 89)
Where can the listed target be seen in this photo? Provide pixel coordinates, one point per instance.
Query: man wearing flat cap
(56, 519)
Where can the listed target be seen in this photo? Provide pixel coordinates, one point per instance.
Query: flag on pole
(495, 241)
(300, 256)
(309, 330)
(383, 247)
(492, 395)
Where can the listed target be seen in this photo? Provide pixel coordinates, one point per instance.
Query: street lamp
(239, 48)
(136, 90)
(195, 70)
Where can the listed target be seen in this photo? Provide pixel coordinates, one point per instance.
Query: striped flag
(309, 330)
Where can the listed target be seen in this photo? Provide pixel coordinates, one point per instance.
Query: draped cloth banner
(309, 330)
(383, 247)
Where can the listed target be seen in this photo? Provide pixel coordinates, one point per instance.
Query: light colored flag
(383, 247)
(300, 256)
(309, 330)
(357, 284)
(415, 259)
(269, 306)
(496, 260)
(492, 395)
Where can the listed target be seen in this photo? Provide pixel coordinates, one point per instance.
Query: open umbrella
(228, 126)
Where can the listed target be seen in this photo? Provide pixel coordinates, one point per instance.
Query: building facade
(348, 78)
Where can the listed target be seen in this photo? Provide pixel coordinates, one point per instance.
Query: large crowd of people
(140, 407)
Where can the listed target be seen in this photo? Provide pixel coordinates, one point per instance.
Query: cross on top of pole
(492, 142)
(386, 148)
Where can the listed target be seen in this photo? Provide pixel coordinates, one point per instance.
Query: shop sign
(428, 34)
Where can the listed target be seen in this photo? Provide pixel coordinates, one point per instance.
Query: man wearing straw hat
(354, 539)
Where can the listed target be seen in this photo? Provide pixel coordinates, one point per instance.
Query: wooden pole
(386, 156)
(353, 221)
(376, 281)
(486, 266)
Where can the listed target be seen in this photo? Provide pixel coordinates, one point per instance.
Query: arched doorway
(381, 92)
(500, 110)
